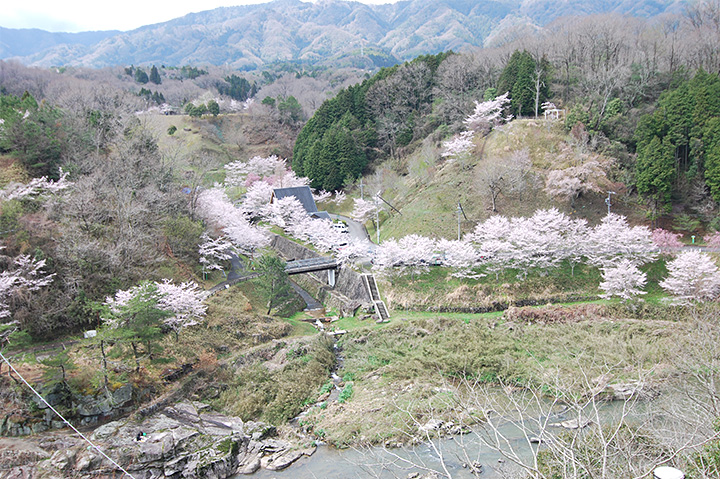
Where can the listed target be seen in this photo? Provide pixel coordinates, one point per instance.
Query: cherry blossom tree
(623, 280)
(237, 172)
(321, 196)
(363, 210)
(576, 245)
(494, 247)
(36, 187)
(257, 196)
(178, 306)
(666, 241)
(692, 277)
(614, 239)
(460, 256)
(353, 251)
(213, 251)
(284, 212)
(215, 208)
(271, 170)
(488, 114)
(24, 275)
(570, 183)
(339, 197)
(538, 241)
(542, 241)
(185, 302)
(712, 240)
(459, 145)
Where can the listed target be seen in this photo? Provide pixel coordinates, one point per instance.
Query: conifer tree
(155, 76)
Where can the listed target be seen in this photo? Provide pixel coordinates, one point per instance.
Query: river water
(458, 452)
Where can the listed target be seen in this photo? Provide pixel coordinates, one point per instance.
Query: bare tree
(503, 175)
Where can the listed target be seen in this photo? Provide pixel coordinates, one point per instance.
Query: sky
(85, 15)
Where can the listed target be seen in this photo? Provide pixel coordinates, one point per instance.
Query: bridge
(313, 264)
(291, 267)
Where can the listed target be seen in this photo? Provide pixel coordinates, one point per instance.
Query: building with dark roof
(304, 196)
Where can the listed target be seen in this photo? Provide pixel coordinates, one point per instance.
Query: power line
(64, 420)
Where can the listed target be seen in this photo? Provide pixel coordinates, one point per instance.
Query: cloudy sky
(84, 15)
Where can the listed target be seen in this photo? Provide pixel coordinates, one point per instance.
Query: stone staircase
(378, 303)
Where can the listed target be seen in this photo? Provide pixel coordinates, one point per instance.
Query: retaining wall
(349, 292)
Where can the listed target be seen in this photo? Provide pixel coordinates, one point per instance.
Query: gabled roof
(302, 193)
(323, 215)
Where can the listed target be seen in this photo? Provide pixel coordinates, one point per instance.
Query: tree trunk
(135, 353)
(104, 361)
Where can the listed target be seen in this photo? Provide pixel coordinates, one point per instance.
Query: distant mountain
(28, 41)
(326, 32)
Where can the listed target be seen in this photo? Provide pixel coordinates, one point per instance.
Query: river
(459, 454)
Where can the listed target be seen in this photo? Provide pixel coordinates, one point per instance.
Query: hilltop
(330, 32)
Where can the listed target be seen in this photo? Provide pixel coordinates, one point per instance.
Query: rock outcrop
(186, 440)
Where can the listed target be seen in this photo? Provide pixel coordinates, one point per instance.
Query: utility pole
(607, 200)
(459, 211)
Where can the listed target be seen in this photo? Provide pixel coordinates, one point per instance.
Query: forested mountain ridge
(327, 32)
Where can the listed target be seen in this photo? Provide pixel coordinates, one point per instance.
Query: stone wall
(349, 292)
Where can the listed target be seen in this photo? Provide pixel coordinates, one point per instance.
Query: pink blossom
(666, 240)
(712, 240)
(613, 239)
(364, 209)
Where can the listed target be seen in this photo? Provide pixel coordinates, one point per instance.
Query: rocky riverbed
(185, 440)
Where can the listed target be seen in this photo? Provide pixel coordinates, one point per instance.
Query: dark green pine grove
(679, 143)
(345, 133)
(527, 81)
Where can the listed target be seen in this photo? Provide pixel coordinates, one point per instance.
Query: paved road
(355, 228)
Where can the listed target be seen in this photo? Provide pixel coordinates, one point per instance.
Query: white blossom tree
(181, 306)
(213, 251)
(24, 275)
(692, 277)
(570, 183)
(215, 208)
(459, 145)
(36, 187)
(185, 303)
(713, 240)
(614, 239)
(494, 247)
(623, 280)
(488, 114)
(364, 210)
(460, 256)
(257, 196)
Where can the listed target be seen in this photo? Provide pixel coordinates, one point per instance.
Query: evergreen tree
(141, 76)
(656, 172)
(273, 283)
(685, 123)
(213, 108)
(711, 143)
(290, 110)
(518, 79)
(155, 75)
